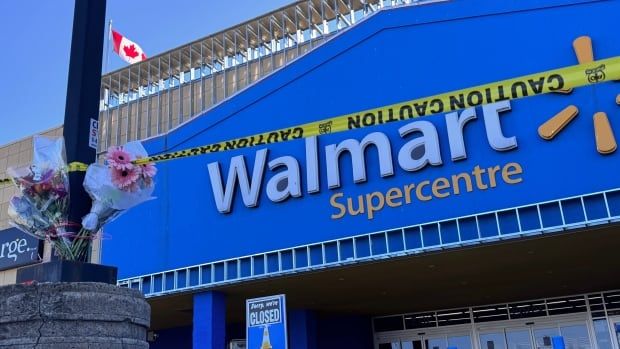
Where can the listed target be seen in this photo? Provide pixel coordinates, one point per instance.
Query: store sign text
(17, 249)
(420, 150)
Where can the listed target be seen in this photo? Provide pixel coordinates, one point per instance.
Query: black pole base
(67, 271)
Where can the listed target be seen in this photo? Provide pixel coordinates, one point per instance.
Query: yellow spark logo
(603, 134)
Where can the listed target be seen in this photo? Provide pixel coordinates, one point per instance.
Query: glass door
(456, 341)
(438, 342)
(540, 336)
(390, 345)
(493, 340)
(576, 336)
(543, 336)
(459, 341)
(410, 343)
(415, 343)
(518, 338)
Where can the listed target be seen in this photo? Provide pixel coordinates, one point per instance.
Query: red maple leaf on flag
(130, 51)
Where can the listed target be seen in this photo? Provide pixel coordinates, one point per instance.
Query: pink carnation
(125, 179)
(119, 159)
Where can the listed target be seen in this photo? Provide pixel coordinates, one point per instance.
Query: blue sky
(36, 39)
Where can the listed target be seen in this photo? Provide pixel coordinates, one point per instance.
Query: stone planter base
(73, 315)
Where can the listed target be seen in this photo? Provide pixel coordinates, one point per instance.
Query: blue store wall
(396, 55)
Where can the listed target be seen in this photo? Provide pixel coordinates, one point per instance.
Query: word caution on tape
(556, 80)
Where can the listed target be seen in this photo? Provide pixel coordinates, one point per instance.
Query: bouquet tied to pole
(42, 205)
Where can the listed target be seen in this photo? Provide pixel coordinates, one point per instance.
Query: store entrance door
(459, 339)
(575, 336)
(511, 334)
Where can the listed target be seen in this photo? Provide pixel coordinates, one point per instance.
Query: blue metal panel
(395, 241)
(468, 229)
(430, 235)
(331, 252)
(287, 260)
(488, 225)
(449, 232)
(508, 222)
(413, 238)
(369, 65)
(595, 206)
(347, 249)
(378, 244)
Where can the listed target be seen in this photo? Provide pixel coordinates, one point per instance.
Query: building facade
(483, 222)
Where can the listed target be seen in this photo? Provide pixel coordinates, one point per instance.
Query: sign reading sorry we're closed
(266, 322)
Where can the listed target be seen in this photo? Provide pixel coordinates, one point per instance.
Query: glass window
(492, 341)
(601, 331)
(436, 343)
(575, 337)
(542, 337)
(359, 14)
(417, 344)
(420, 320)
(391, 323)
(459, 342)
(518, 339)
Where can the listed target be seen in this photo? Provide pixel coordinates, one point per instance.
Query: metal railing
(539, 218)
(150, 98)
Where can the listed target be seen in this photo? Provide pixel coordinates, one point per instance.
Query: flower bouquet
(116, 187)
(42, 208)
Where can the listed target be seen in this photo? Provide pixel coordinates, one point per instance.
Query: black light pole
(82, 104)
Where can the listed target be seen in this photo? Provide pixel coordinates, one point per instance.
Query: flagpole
(107, 47)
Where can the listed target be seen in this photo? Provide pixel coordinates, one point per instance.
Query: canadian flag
(127, 49)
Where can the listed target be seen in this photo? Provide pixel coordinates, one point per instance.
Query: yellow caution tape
(72, 167)
(77, 166)
(557, 80)
(529, 85)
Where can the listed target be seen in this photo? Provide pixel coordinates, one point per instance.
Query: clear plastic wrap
(117, 186)
(42, 208)
(24, 216)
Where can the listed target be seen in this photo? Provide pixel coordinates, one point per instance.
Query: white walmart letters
(414, 155)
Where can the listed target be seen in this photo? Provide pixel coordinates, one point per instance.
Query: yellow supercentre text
(426, 190)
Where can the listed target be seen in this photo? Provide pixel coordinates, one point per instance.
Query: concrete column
(209, 321)
(302, 329)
